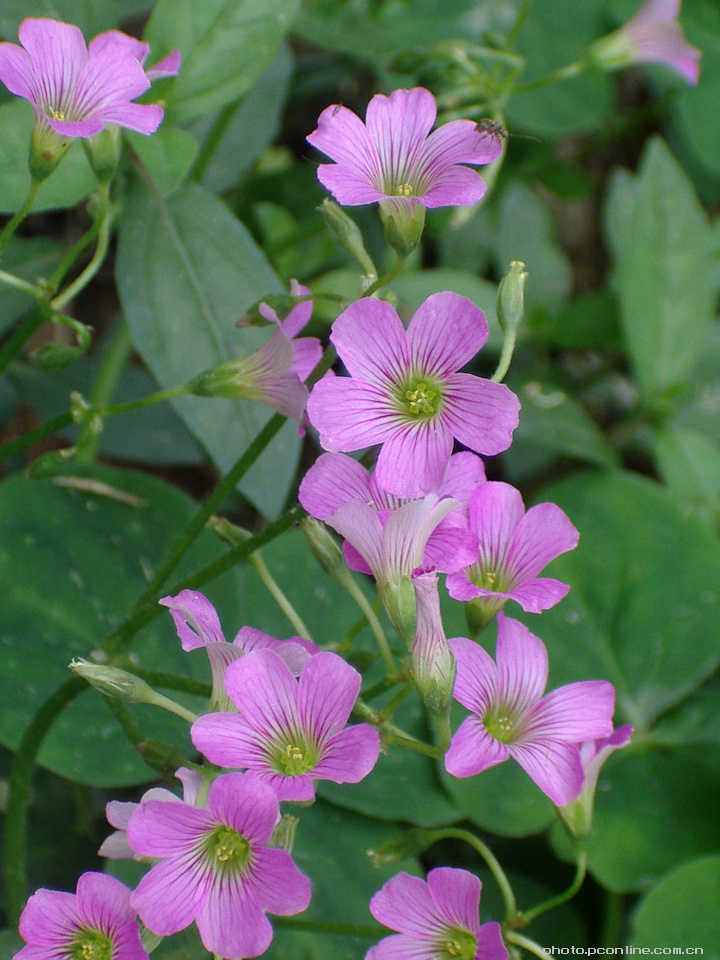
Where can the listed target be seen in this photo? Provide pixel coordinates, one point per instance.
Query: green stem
(392, 733)
(81, 281)
(522, 941)
(19, 444)
(564, 73)
(506, 355)
(282, 601)
(18, 798)
(612, 919)
(528, 915)
(74, 252)
(22, 332)
(105, 384)
(212, 141)
(121, 639)
(168, 681)
(12, 225)
(159, 700)
(517, 26)
(362, 601)
(10, 280)
(392, 705)
(490, 859)
(388, 277)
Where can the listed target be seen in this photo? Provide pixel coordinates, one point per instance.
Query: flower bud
(47, 148)
(113, 682)
(404, 222)
(511, 296)
(411, 844)
(51, 463)
(323, 546)
(433, 664)
(279, 303)
(347, 233)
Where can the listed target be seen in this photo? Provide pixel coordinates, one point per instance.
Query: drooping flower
(512, 718)
(274, 373)
(577, 815)
(514, 548)
(216, 868)
(404, 391)
(290, 732)
(118, 813)
(335, 479)
(653, 35)
(433, 663)
(77, 90)
(393, 157)
(198, 625)
(436, 919)
(393, 545)
(96, 921)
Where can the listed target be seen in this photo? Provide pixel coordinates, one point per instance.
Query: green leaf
(167, 156)
(689, 463)
(665, 289)
(70, 183)
(682, 910)
(251, 129)
(30, 258)
(637, 613)
(73, 561)
(186, 270)
(695, 720)
(225, 46)
(92, 16)
(10, 943)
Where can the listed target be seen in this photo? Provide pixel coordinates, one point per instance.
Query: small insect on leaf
(497, 129)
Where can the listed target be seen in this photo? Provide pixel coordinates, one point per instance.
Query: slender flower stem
(613, 911)
(521, 941)
(388, 277)
(80, 282)
(13, 447)
(391, 706)
(362, 601)
(159, 700)
(106, 381)
(21, 334)
(14, 223)
(74, 252)
(392, 733)
(517, 26)
(528, 915)
(10, 280)
(282, 601)
(508, 348)
(489, 858)
(564, 73)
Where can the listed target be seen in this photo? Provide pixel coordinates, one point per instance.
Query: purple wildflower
(77, 90)
(404, 391)
(653, 35)
(435, 918)
(514, 548)
(577, 815)
(393, 158)
(274, 373)
(198, 625)
(96, 921)
(511, 718)
(216, 869)
(290, 732)
(335, 479)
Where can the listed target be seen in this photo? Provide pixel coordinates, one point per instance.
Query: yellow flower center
(459, 945)
(92, 945)
(228, 848)
(500, 725)
(405, 190)
(294, 759)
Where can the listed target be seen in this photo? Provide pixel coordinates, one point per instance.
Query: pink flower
(198, 625)
(290, 732)
(393, 157)
(95, 921)
(216, 869)
(335, 479)
(511, 718)
(514, 548)
(404, 391)
(433, 664)
(274, 373)
(653, 35)
(435, 918)
(78, 90)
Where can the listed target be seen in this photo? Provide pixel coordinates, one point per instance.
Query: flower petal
(160, 828)
(575, 712)
(195, 619)
(538, 595)
(49, 918)
(350, 187)
(473, 750)
(555, 768)
(397, 947)
(495, 511)
(342, 136)
(414, 457)
(230, 921)
(350, 755)
(359, 524)
(16, 72)
(371, 342)
(58, 54)
(455, 186)
(445, 333)
(277, 883)
(543, 534)
(327, 691)
(103, 901)
(245, 804)
(398, 126)
(170, 894)
(350, 414)
(457, 896)
(333, 480)
(465, 472)
(522, 663)
(405, 904)
(480, 414)
(477, 676)
(262, 687)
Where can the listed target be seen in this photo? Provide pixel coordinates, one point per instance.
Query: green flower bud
(347, 233)
(113, 682)
(411, 844)
(323, 546)
(511, 296)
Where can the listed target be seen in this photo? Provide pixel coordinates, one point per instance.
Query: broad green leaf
(665, 290)
(682, 910)
(167, 156)
(689, 463)
(589, 322)
(657, 810)
(73, 562)
(565, 106)
(186, 270)
(225, 46)
(695, 720)
(32, 259)
(525, 232)
(637, 613)
(92, 16)
(251, 129)
(70, 183)
(619, 211)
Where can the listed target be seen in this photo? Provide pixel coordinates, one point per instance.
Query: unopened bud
(51, 463)
(323, 546)
(413, 843)
(347, 233)
(113, 682)
(511, 296)
(404, 222)
(230, 533)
